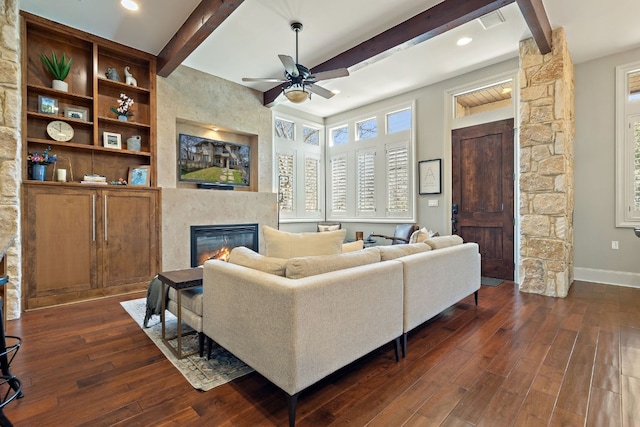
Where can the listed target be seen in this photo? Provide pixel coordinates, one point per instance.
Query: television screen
(208, 161)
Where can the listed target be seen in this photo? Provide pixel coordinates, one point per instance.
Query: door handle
(454, 209)
(454, 221)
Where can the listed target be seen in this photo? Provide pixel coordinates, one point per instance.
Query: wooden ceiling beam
(203, 21)
(424, 26)
(538, 22)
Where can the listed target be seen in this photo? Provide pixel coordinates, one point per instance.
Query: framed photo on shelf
(430, 173)
(112, 140)
(47, 105)
(78, 113)
(140, 175)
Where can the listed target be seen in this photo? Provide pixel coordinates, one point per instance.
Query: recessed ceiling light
(129, 4)
(215, 129)
(335, 91)
(464, 41)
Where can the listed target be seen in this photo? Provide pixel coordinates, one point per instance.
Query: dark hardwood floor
(516, 359)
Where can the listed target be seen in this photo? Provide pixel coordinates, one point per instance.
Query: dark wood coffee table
(179, 280)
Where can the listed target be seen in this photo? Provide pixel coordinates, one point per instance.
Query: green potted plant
(59, 69)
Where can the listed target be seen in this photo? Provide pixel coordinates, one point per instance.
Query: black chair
(401, 235)
(10, 385)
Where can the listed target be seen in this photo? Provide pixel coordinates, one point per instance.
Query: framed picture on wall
(430, 176)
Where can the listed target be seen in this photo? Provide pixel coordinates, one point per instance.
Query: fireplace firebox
(216, 241)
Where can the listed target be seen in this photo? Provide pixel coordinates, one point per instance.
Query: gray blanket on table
(154, 299)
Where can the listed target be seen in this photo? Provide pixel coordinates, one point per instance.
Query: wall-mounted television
(214, 163)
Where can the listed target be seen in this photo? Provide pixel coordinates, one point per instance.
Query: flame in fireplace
(221, 254)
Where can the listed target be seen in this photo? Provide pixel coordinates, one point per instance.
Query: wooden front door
(482, 193)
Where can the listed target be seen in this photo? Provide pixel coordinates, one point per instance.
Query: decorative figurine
(130, 80)
(112, 74)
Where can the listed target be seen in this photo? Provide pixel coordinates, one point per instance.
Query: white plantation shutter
(398, 179)
(366, 182)
(339, 184)
(285, 181)
(311, 184)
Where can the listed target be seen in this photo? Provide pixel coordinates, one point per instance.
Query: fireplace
(216, 241)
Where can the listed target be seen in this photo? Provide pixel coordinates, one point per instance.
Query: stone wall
(547, 131)
(10, 177)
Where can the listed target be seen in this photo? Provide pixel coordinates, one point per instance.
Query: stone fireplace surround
(182, 208)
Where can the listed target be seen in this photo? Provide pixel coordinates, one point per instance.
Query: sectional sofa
(296, 320)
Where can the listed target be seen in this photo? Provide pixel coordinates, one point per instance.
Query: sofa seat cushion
(397, 251)
(439, 242)
(281, 244)
(191, 300)
(245, 257)
(300, 267)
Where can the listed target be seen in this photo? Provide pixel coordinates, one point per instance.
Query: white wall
(594, 217)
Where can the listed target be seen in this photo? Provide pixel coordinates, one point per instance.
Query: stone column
(10, 150)
(546, 168)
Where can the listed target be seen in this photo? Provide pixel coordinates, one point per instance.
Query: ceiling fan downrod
(296, 27)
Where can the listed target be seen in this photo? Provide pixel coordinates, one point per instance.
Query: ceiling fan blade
(266, 79)
(289, 65)
(318, 90)
(331, 74)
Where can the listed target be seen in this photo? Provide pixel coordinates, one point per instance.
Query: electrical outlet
(614, 244)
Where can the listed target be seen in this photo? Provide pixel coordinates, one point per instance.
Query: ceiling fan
(301, 80)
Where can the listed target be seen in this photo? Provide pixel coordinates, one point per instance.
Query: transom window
(367, 129)
(284, 129)
(488, 98)
(340, 135)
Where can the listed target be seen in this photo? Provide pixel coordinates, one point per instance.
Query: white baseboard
(608, 277)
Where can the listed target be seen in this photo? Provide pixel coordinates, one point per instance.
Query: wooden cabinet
(82, 243)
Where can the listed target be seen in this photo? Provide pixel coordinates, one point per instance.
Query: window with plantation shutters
(338, 185)
(298, 169)
(397, 179)
(628, 145)
(371, 172)
(311, 184)
(366, 183)
(285, 182)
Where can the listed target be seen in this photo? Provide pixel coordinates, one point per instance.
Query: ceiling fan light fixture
(297, 94)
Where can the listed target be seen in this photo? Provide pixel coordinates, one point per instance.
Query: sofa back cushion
(353, 246)
(250, 259)
(439, 242)
(300, 267)
(397, 251)
(281, 244)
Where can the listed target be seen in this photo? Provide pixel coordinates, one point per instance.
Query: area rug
(489, 281)
(201, 373)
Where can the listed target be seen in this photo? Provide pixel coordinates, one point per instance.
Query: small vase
(39, 172)
(60, 85)
(122, 118)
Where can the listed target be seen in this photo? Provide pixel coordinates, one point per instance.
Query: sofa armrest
(437, 279)
(296, 332)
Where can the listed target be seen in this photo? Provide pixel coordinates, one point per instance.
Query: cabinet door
(130, 247)
(60, 244)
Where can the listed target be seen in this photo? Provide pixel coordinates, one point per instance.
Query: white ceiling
(248, 42)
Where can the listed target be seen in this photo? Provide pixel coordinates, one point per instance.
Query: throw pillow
(247, 258)
(397, 251)
(300, 267)
(418, 236)
(281, 244)
(439, 242)
(333, 227)
(352, 246)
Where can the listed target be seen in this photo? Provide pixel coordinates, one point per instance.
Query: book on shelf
(94, 178)
(94, 182)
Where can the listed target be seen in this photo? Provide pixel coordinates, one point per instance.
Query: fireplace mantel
(182, 208)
